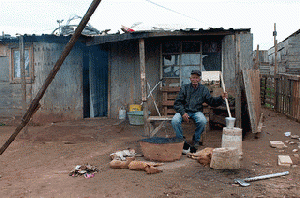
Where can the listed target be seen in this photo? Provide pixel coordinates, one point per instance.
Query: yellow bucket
(135, 107)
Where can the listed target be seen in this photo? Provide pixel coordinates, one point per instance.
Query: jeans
(199, 119)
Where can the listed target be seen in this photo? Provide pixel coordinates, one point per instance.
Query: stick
(35, 102)
(223, 86)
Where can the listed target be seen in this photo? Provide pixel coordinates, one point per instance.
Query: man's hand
(224, 95)
(186, 117)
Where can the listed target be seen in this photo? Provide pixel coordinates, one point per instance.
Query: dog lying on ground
(121, 155)
(203, 156)
(149, 167)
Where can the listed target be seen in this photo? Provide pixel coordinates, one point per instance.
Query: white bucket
(122, 114)
(230, 122)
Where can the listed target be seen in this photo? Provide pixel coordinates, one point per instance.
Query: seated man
(188, 104)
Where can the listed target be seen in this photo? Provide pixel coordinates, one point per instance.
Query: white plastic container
(122, 114)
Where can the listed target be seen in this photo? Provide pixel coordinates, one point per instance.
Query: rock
(295, 150)
(284, 160)
(296, 155)
(277, 144)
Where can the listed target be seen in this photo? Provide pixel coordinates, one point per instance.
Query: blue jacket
(190, 99)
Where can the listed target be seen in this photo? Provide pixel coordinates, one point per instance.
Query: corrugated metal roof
(162, 33)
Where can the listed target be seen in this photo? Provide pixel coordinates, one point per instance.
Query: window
(16, 68)
(179, 58)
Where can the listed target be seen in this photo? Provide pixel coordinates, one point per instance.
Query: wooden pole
(256, 64)
(275, 70)
(23, 77)
(238, 74)
(275, 48)
(35, 102)
(143, 85)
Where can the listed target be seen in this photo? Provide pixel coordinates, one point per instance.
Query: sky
(40, 16)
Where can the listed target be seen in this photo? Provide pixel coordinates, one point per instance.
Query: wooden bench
(163, 119)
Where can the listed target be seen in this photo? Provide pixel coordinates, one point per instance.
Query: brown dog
(149, 167)
(203, 156)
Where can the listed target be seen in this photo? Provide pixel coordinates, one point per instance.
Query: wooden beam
(256, 64)
(23, 78)
(238, 82)
(35, 102)
(143, 85)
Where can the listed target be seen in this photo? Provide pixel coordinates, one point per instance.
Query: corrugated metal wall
(125, 86)
(64, 97)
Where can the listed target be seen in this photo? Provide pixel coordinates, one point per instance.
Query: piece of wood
(159, 118)
(252, 87)
(152, 133)
(256, 63)
(35, 102)
(143, 85)
(238, 82)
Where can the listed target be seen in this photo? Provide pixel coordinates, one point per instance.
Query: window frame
(17, 80)
(182, 52)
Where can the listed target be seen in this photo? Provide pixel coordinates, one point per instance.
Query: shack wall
(64, 97)
(125, 79)
(288, 55)
(10, 93)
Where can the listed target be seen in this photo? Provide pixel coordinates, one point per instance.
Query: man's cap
(198, 72)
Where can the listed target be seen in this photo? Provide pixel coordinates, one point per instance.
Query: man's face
(195, 79)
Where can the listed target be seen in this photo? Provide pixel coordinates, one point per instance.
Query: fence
(282, 93)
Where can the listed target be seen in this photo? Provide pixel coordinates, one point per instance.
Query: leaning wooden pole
(35, 102)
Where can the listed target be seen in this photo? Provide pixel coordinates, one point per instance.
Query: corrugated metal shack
(288, 55)
(102, 73)
(64, 97)
(171, 55)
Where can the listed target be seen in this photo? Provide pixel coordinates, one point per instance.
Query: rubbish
(243, 182)
(294, 136)
(277, 144)
(284, 160)
(287, 134)
(88, 171)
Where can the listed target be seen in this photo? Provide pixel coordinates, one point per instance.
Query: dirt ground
(39, 165)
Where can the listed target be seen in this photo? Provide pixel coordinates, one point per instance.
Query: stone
(225, 158)
(295, 150)
(277, 144)
(284, 160)
(294, 136)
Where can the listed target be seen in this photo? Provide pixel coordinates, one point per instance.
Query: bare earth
(39, 165)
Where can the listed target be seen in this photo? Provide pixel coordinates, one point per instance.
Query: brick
(284, 160)
(277, 144)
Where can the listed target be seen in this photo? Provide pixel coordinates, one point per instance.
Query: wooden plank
(170, 89)
(168, 103)
(159, 118)
(252, 87)
(152, 133)
(143, 85)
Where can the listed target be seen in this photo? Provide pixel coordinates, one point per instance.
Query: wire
(175, 11)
